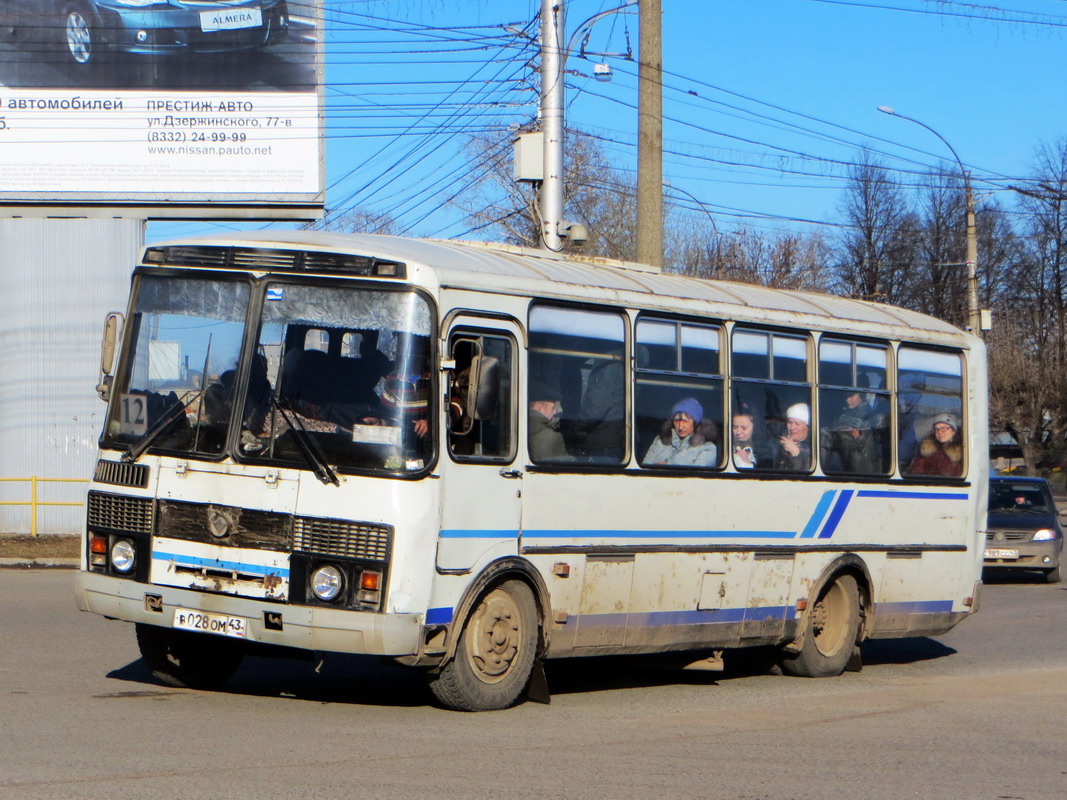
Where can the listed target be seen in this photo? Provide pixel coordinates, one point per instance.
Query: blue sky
(766, 100)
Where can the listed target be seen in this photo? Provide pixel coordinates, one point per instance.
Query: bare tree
(783, 260)
(596, 194)
(874, 257)
(358, 220)
(1028, 348)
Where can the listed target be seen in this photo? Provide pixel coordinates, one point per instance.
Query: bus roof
(505, 269)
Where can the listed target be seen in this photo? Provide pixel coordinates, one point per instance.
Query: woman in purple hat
(685, 439)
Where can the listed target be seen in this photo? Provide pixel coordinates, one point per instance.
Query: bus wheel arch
(495, 641)
(835, 621)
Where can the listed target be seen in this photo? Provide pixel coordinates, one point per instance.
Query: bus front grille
(117, 512)
(341, 538)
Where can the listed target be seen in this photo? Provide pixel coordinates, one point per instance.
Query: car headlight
(140, 3)
(327, 582)
(1044, 535)
(123, 555)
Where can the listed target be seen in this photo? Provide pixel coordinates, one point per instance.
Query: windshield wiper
(162, 425)
(308, 446)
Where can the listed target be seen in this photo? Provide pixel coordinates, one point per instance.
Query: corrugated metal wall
(58, 278)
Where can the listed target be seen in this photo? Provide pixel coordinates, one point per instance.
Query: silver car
(1024, 530)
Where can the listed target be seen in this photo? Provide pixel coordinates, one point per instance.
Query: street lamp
(973, 319)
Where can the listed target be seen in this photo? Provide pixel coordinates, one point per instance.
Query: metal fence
(35, 502)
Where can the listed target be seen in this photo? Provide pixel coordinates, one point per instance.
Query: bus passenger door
(482, 491)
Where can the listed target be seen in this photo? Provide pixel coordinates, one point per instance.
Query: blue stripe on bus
(439, 616)
(621, 534)
(835, 516)
(818, 515)
(211, 563)
(712, 616)
(912, 495)
(914, 607)
(827, 514)
(455, 533)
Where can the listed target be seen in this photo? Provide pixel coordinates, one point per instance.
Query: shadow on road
(366, 680)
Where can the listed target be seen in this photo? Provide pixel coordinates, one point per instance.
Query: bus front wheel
(495, 653)
(188, 660)
(832, 627)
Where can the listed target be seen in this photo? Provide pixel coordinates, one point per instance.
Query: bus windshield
(338, 375)
(185, 336)
(342, 371)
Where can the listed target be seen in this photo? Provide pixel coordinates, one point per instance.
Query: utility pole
(552, 57)
(650, 136)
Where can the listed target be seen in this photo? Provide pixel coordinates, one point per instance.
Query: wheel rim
(495, 636)
(79, 39)
(829, 620)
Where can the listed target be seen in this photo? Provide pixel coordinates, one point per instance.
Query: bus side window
(678, 370)
(771, 389)
(854, 407)
(580, 355)
(480, 402)
(930, 413)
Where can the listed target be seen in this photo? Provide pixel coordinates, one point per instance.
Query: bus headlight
(327, 582)
(123, 555)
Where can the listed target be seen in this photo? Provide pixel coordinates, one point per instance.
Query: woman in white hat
(795, 452)
(941, 451)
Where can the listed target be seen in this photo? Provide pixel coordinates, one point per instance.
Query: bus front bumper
(304, 627)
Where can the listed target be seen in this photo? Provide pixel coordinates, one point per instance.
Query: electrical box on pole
(529, 153)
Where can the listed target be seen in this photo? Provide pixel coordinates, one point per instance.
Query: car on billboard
(87, 31)
(1023, 528)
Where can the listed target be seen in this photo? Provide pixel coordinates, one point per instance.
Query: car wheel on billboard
(79, 36)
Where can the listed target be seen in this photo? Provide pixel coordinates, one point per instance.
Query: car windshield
(340, 374)
(1020, 497)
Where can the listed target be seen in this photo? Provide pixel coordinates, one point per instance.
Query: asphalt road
(978, 713)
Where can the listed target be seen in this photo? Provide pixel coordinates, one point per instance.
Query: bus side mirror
(484, 396)
(112, 331)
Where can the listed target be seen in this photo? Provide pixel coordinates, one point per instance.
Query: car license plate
(206, 621)
(230, 19)
(992, 552)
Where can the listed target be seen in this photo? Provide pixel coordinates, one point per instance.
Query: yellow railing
(35, 502)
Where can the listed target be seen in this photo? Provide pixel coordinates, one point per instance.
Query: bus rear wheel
(188, 660)
(495, 654)
(832, 628)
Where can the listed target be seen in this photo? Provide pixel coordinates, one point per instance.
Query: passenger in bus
(849, 445)
(912, 423)
(940, 452)
(686, 438)
(795, 453)
(747, 453)
(545, 442)
(406, 391)
(599, 429)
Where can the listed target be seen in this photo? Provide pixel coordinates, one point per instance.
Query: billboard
(167, 108)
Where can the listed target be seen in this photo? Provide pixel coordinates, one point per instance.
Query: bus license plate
(205, 621)
(992, 552)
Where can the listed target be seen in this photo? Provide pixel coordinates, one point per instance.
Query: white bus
(472, 458)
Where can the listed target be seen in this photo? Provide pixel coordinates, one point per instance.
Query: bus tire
(832, 625)
(495, 653)
(188, 660)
